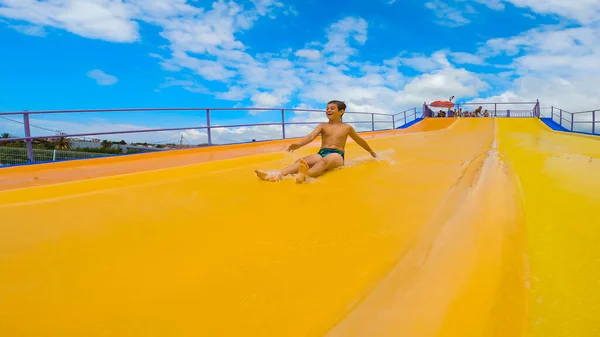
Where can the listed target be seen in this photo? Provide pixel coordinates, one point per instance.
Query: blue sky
(381, 56)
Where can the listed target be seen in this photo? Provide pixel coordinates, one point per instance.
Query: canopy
(442, 104)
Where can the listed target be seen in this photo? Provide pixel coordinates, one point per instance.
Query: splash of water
(382, 156)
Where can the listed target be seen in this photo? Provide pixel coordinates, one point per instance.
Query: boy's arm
(309, 138)
(358, 139)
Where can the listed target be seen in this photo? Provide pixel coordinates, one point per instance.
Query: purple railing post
(208, 127)
(507, 112)
(560, 117)
(593, 122)
(394, 122)
(552, 112)
(495, 109)
(283, 122)
(572, 120)
(28, 142)
(372, 122)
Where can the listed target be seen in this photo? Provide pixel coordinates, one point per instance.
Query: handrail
(34, 112)
(28, 138)
(497, 103)
(593, 119)
(407, 110)
(534, 111)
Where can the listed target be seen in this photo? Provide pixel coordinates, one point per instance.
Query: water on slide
(466, 227)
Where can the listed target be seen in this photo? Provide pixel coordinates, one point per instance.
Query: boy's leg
(310, 160)
(327, 163)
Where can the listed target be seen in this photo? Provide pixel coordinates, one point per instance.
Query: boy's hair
(341, 105)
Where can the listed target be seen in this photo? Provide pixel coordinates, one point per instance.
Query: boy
(331, 155)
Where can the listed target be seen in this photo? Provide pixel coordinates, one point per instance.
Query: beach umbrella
(442, 104)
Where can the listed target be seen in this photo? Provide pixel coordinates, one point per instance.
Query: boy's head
(335, 110)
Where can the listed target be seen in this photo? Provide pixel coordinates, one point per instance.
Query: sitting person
(486, 113)
(477, 111)
(331, 155)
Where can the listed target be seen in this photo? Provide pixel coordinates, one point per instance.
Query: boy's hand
(293, 147)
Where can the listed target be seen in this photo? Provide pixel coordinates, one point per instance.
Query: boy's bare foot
(302, 171)
(263, 175)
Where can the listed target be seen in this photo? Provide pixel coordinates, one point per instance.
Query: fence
(18, 155)
(288, 123)
(583, 121)
(495, 109)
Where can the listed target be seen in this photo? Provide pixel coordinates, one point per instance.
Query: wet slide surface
(470, 227)
(67, 171)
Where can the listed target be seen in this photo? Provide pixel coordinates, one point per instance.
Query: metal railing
(494, 109)
(365, 121)
(587, 122)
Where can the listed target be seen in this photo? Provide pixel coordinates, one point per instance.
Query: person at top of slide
(331, 155)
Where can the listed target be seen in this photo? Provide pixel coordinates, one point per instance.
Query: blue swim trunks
(324, 152)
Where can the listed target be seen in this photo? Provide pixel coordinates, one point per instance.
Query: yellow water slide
(463, 227)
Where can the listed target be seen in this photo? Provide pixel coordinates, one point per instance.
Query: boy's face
(333, 114)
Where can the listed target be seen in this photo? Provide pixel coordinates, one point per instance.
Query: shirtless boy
(331, 155)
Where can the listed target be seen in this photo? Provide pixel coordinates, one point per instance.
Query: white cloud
(310, 54)
(455, 12)
(448, 15)
(266, 100)
(101, 77)
(99, 19)
(423, 63)
(559, 66)
(340, 35)
(188, 84)
(466, 58)
(493, 4)
(32, 30)
(583, 11)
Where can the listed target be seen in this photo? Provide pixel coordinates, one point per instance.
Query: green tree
(106, 144)
(63, 143)
(6, 135)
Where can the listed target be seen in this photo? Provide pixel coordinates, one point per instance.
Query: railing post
(560, 117)
(572, 120)
(208, 127)
(593, 122)
(28, 142)
(283, 122)
(495, 109)
(393, 122)
(552, 112)
(404, 117)
(372, 122)
(415, 111)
